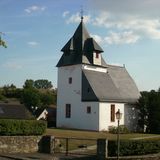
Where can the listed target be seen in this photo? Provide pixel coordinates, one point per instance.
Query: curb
(14, 157)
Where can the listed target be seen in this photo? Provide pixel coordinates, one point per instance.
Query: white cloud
(121, 38)
(12, 65)
(33, 43)
(144, 27)
(75, 18)
(97, 38)
(148, 8)
(102, 19)
(126, 29)
(35, 8)
(65, 14)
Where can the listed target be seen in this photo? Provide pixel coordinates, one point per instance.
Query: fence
(76, 146)
(81, 146)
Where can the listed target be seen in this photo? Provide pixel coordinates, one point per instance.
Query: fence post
(67, 146)
(47, 144)
(102, 149)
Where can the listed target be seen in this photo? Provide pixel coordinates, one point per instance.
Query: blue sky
(36, 30)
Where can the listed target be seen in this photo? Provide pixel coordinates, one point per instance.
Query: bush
(10, 127)
(134, 147)
(1, 97)
(122, 129)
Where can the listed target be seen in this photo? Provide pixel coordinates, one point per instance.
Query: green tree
(31, 98)
(47, 99)
(29, 83)
(38, 94)
(149, 106)
(9, 91)
(143, 110)
(43, 84)
(1, 94)
(154, 112)
(2, 42)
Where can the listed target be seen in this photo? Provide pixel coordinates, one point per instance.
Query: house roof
(79, 49)
(14, 111)
(114, 86)
(51, 112)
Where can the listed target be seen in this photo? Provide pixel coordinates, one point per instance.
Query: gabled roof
(124, 82)
(114, 86)
(14, 111)
(79, 48)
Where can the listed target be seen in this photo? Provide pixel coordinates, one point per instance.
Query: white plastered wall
(71, 94)
(105, 115)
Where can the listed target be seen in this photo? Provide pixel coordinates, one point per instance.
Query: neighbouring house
(14, 111)
(48, 114)
(90, 91)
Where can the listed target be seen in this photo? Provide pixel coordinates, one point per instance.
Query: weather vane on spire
(82, 12)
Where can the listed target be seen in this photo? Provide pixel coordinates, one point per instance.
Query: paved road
(37, 156)
(24, 156)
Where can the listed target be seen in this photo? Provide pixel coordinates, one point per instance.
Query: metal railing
(81, 146)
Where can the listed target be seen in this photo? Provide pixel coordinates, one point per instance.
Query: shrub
(131, 147)
(10, 127)
(122, 129)
(1, 97)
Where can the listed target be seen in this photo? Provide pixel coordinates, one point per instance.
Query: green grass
(79, 137)
(68, 133)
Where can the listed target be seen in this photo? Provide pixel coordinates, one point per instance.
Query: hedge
(122, 129)
(134, 147)
(11, 127)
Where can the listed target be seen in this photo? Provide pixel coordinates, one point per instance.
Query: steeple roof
(81, 40)
(79, 49)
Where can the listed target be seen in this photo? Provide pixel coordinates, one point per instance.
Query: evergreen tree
(149, 107)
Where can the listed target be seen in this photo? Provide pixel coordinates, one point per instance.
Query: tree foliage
(35, 94)
(149, 105)
(38, 84)
(10, 91)
(31, 98)
(2, 42)
(29, 83)
(38, 94)
(43, 84)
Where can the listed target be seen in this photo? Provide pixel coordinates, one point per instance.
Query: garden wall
(26, 144)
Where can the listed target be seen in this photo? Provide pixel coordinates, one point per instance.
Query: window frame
(89, 110)
(97, 55)
(70, 80)
(112, 113)
(68, 111)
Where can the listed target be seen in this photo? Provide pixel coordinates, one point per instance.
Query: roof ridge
(112, 65)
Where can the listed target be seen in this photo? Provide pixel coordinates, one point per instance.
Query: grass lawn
(84, 136)
(68, 133)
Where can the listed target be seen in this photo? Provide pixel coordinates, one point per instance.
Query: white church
(90, 91)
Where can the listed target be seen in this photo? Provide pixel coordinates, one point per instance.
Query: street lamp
(118, 117)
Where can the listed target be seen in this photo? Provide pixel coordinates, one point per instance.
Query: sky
(36, 30)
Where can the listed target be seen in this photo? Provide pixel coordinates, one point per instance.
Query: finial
(82, 13)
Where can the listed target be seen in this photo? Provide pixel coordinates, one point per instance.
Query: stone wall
(20, 144)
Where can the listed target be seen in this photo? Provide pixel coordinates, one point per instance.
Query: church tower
(88, 92)
(79, 52)
(81, 49)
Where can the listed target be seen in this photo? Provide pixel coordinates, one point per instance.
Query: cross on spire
(82, 12)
